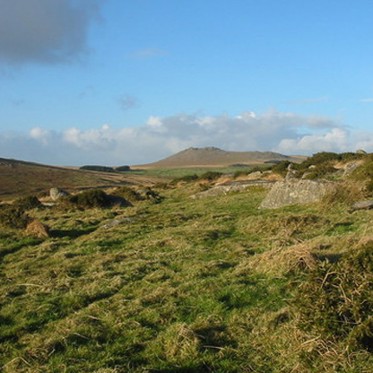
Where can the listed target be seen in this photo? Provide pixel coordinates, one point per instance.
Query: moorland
(171, 283)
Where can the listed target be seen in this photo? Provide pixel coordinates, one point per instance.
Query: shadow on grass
(18, 246)
(332, 258)
(71, 233)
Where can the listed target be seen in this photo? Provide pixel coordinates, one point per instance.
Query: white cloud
(336, 139)
(159, 137)
(40, 134)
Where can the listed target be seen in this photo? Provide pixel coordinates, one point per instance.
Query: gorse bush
(186, 178)
(129, 194)
(210, 175)
(336, 301)
(90, 199)
(27, 203)
(321, 170)
(320, 158)
(281, 168)
(13, 217)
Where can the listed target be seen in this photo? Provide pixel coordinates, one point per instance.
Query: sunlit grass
(180, 286)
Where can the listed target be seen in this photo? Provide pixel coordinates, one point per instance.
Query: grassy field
(174, 173)
(185, 285)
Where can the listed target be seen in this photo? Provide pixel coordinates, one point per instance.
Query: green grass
(175, 173)
(181, 286)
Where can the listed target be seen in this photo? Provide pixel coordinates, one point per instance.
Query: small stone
(363, 205)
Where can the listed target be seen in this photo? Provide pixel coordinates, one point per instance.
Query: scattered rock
(37, 229)
(293, 191)
(57, 193)
(362, 205)
(115, 222)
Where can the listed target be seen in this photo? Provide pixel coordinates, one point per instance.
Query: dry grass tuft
(281, 260)
(37, 229)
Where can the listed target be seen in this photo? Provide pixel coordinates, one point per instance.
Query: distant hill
(212, 156)
(19, 178)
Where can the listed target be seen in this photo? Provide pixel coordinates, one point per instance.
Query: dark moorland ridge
(18, 178)
(212, 156)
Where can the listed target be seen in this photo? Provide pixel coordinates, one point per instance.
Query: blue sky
(132, 81)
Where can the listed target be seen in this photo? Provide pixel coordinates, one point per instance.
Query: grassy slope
(182, 286)
(20, 178)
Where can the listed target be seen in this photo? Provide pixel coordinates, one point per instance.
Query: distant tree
(123, 168)
(97, 168)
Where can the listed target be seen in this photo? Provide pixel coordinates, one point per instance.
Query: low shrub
(336, 300)
(90, 199)
(27, 203)
(281, 168)
(186, 178)
(320, 158)
(239, 173)
(210, 175)
(128, 194)
(13, 217)
(321, 170)
(152, 195)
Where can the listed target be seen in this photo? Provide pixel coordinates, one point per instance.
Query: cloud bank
(287, 133)
(44, 31)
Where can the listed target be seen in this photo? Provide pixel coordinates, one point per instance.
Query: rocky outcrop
(294, 191)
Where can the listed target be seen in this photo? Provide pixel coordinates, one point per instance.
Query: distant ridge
(21, 178)
(212, 156)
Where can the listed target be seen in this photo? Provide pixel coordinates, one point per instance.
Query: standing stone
(57, 193)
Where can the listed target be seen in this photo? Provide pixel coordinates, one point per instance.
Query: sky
(117, 82)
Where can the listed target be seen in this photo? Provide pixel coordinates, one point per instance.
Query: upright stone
(57, 193)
